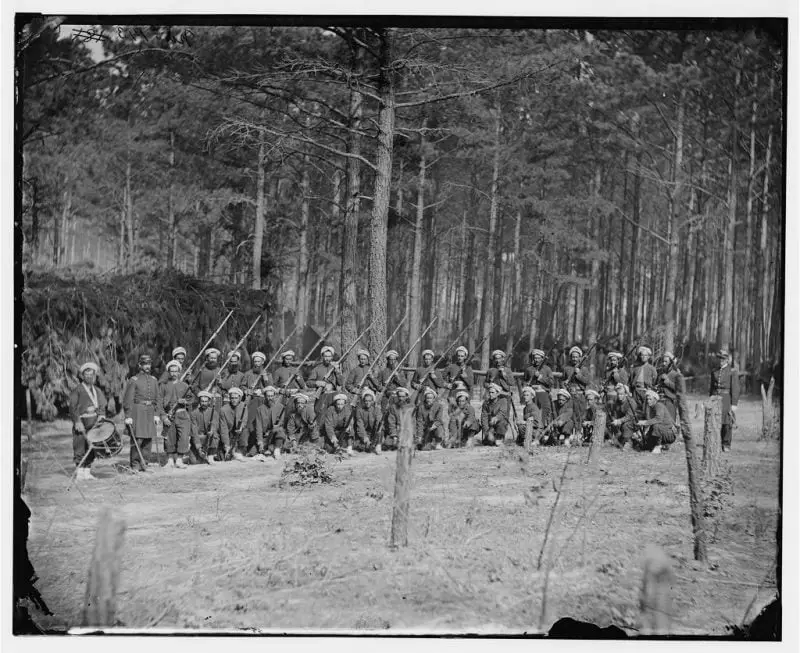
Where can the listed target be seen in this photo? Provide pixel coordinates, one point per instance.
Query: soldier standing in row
(232, 376)
(426, 376)
(173, 399)
(178, 354)
(205, 429)
(725, 384)
(643, 378)
(140, 402)
(540, 377)
(398, 379)
(576, 382)
(614, 375)
(500, 374)
(459, 371)
(206, 377)
(359, 373)
(87, 404)
(327, 379)
(667, 383)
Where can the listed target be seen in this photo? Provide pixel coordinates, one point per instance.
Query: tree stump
(695, 493)
(712, 442)
(402, 479)
(655, 601)
(101, 589)
(598, 435)
(767, 411)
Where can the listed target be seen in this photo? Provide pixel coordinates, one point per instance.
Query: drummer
(87, 404)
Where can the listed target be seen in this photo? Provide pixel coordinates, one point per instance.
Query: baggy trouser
(623, 433)
(82, 452)
(545, 404)
(339, 437)
(425, 437)
(659, 435)
(146, 447)
(496, 432)
(177, 434)
(201, 446)
(275, 439)
(558, 432)
(461, 430)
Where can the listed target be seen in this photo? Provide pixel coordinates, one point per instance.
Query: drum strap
(91, 391)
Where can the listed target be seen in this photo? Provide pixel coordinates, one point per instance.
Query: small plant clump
(309, 467)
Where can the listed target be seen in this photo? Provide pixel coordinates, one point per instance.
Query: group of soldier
(227, 413)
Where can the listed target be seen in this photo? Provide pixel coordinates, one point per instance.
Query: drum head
(104, 439)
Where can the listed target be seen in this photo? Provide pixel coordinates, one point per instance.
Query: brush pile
(71, 318)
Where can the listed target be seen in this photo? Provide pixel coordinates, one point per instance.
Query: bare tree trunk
(491, 245)
(415, 299)
(634, 257)
(129, 220)
(172, 240)
(382, 196)
(302, 303)
(674, 217)
(724, 333)
(593, 299)
(349, 300)
(258, 228)
(712, 444)
(402, 482)
(761, 279)
(695, 492)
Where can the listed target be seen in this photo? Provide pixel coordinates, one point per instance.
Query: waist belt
(143, 403)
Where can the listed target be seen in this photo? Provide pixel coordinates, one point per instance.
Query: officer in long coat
(253, 383)
(140, 402)
(725, 383)
(87, 404)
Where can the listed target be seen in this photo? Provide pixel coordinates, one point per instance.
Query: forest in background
(559, 185)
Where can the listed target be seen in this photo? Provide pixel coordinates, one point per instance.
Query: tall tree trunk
(761, 281)
(415, 298)
(621, 321)
(258, 227)
(746, 293)
(593, 326)
(491, 245)
(536, 308)
(349, 300)
(301, 307)
(674, 218)
(172, 240)
(633, 306)
(380, 207)
(724, 333)
(516, 322)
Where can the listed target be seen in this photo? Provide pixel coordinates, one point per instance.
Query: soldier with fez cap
(327, 379)
(459, 371)
(232, 376)
(540, 377)
(354, 378)
(86, 404)
(725, 384)
(390, 381)
(140, 402)
(288, 383)
(178, 354)
(205, 377)
(173, 399)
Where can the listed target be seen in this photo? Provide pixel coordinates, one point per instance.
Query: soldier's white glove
(79, 428)
(157, 420)
(129, 420)
(733, 409)
(167, 421)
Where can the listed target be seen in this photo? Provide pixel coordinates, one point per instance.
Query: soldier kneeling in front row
(494, 416)
(401, 401)
(301, 426)
(430, 422)
(560, 429)
(659, 421)
(530, 428)
(369, 422)
(337, 425)
(463, 424)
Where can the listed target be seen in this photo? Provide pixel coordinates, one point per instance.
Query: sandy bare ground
(224, 547)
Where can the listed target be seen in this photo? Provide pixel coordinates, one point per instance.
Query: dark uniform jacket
(502, 376)
(81, 403)
(174, 397)
(399, 380)
(576, 379)
(658, 415)
(268, 419)
(725, 383)
(231, 423)
(545, 378)
(455, 372)
(354, 378)
(327, 373)
(667, 385)
(300, 422)
(614, 376)
(368, 422)
(284, 373)
(205, 421)
(253, 381)
(335, 422)
(204, 378)
(140, 402)
(433, 378)
(231, 379)
(429, 416)
(564, 414)
(643, 375)
(497, 407)
(466, 415)
(532, 411)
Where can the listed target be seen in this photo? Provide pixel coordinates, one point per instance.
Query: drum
(104, 439)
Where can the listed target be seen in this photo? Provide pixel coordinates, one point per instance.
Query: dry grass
(224, 547)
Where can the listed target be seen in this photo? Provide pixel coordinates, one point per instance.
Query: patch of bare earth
(224, 546)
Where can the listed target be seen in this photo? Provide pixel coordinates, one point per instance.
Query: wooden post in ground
(712, 443)
(30, 417)
(655, 601)
(101, 588)
(402, 479)
(767, 411)
(598, 435)
(695, 493)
